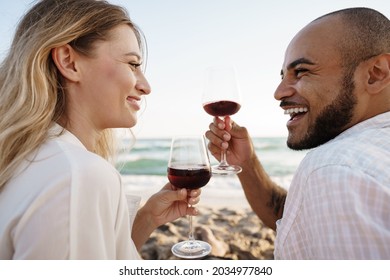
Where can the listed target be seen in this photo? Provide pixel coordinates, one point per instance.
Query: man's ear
(379, 74)
(64, 58)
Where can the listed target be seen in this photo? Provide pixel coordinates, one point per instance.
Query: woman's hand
(171, 203)
(164, 206)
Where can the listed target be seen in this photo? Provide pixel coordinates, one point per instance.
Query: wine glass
(221, 98)
(189, 167)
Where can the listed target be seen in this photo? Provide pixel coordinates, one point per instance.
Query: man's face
(315, 90)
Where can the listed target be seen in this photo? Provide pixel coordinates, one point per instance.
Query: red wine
(221, 108)
(189, 178)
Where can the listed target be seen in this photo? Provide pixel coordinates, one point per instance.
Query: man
(336, 88)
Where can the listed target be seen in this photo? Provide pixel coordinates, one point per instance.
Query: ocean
(144, 166)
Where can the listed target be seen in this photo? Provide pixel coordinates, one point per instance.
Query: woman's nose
(143, 84)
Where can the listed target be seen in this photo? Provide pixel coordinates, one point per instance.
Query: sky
(184, 37)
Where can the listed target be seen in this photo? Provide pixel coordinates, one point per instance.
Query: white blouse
(66, 203)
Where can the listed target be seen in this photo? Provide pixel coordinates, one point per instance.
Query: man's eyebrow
(296, 62)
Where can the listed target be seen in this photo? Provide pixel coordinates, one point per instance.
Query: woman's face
(111, 83)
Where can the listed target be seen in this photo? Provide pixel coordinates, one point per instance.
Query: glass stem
(191, 229)
(223, 161)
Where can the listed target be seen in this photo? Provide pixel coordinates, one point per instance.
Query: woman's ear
(379, 74)
(64, 58)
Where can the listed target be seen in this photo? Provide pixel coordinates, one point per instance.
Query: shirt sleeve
(43, 230)
(79, 212)
(99, 227)
(348, 212)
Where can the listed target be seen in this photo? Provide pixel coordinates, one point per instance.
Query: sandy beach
(225, 221)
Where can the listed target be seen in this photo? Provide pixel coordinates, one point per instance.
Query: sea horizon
(149, 156)
(144, 167)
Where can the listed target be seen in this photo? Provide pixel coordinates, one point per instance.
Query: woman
(72, 74)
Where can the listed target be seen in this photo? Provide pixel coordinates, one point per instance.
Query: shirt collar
(378, 121)
(64, 135)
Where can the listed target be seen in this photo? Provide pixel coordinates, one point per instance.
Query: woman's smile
(134, 102)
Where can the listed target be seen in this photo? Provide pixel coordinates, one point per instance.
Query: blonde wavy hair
(31, 90)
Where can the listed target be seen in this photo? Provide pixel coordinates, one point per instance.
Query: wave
(150, 157)
(143, 166)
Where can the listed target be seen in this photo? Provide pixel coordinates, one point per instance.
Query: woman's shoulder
(76, 160)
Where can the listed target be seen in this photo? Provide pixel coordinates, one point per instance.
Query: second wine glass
(189, 167)
(221, 98)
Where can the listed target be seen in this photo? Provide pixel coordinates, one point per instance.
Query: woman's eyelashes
(134, 65)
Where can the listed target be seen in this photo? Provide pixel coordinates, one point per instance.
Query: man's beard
(333, 119)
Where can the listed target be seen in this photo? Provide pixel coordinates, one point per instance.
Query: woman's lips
(134, 102)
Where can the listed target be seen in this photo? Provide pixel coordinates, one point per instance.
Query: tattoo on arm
(278, 198)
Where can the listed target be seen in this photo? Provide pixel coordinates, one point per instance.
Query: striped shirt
(338, 204)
